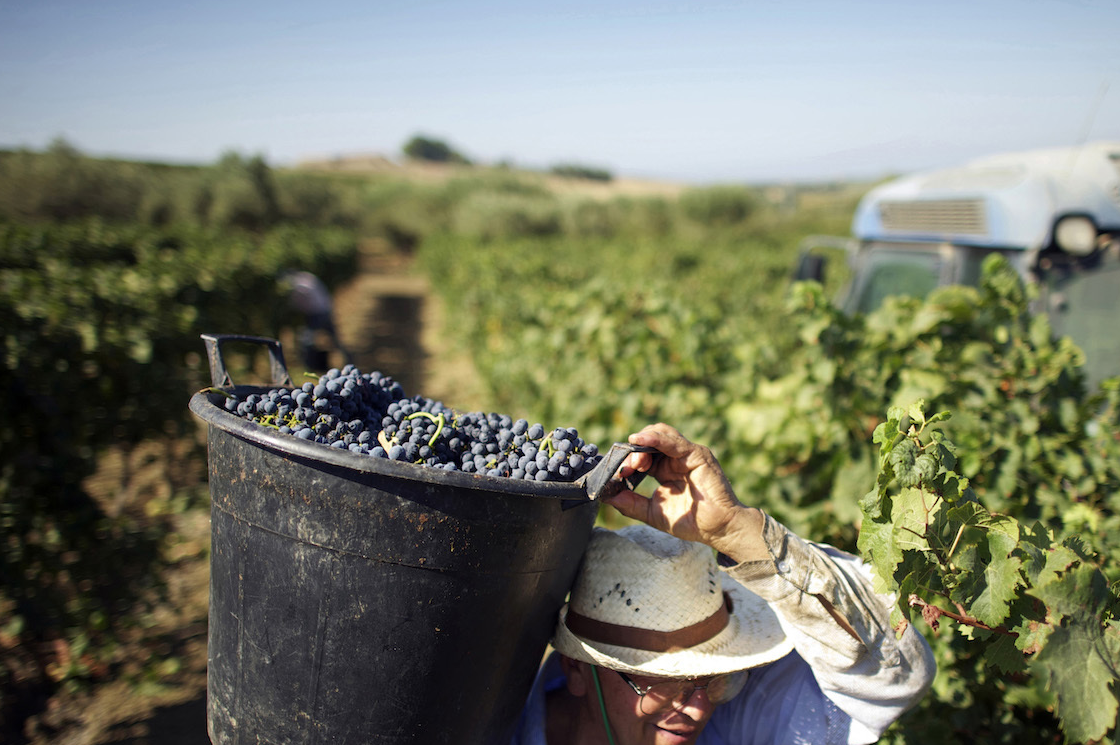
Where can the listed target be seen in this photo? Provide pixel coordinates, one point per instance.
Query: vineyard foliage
(101, 344)
(1027, 597)
(993, 524)
(790, 392)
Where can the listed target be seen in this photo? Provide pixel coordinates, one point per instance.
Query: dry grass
(428, 172)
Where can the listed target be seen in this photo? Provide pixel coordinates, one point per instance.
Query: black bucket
(358, 600)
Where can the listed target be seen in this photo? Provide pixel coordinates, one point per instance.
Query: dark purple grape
(370, 415)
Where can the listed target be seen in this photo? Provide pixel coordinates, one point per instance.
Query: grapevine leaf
(1078, 591)
(952, 487)
(900, 612)
(945, 450)
(941, 416)
(899, 618)
(926, 467)
(970, 513)
(916, 412)
(1110, 647)
(1002, 531)
(902, 460)
(1055, 561)
(1036, 546)
(989, 579)
(897, 545)
(1080, 678)
(876, 543)
(1075, 544)
(871, 505)
(1003, 535)
(1032, 635)
(885, 431)
(1004, 654)
(886, 436)
(912, 511)
(1001, 578)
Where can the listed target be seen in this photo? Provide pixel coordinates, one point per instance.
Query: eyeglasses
(676, 692)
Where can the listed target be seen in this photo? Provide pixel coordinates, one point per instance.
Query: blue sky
(685, 90)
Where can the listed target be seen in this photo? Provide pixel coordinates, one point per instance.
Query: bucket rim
(204, 405)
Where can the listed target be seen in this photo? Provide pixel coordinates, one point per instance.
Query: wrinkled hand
(694, 501)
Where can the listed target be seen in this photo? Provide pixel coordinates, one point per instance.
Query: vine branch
(932, 614)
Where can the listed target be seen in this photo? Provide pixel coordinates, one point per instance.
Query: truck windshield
(888, 271)
(916, 269)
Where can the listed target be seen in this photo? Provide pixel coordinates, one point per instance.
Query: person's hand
(694, 501)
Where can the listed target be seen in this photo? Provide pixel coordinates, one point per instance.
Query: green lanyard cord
(602, 706)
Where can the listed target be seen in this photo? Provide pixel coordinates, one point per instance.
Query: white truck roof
(1010, 200)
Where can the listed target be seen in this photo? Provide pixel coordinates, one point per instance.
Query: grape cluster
(370, 414)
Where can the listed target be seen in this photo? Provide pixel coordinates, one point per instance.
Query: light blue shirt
(781, 703)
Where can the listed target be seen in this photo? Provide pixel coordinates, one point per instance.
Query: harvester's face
(634, 721)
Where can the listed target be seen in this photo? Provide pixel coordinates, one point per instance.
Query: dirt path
(390, 321)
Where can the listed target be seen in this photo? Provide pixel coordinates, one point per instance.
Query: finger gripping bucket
(358, 600)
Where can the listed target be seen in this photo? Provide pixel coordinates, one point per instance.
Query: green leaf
(1032, 635)
(1001, 582)
(1057, 560)
(1080, 591)
(871, 505)
(900, 611)
(912, 510)
(990, 577)
(1110, 647)
(1081, 679)
(925, 466)
(1004, 654)
(917, 413)
(902, 460)
(1003, 535)
(941, 416)
(877, 546)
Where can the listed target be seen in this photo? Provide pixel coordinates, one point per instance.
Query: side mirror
(810, 267)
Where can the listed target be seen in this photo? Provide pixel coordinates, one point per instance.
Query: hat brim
(753, 637)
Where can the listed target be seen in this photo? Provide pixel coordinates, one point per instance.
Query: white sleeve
(873, 678)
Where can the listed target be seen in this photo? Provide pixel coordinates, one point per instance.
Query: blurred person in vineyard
(308, 296)
(768, 638)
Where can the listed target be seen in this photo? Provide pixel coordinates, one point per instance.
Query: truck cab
(1054, 214)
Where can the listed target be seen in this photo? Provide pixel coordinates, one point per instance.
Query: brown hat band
(650, 639)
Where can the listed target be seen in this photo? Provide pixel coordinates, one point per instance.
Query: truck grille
(953, 216)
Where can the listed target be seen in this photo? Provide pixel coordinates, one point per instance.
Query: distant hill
(373, 163)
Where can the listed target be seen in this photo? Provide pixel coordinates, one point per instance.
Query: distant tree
(62, 148)
(427, 148)
(574, 170)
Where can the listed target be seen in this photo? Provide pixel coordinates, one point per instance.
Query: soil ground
(389, 321)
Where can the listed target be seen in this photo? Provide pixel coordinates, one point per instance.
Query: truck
(1053, 213)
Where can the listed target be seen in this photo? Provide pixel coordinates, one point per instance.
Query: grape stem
(957, 540)
(439, 420)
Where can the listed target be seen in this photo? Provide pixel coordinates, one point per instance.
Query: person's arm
(841, 628)
(837, 623)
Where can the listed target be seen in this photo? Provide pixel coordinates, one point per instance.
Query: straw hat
(650, 604)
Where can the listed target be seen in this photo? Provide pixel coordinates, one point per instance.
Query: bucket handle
(220, 376)
(600, 481)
